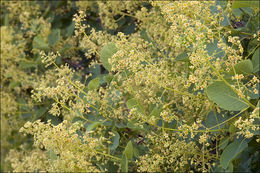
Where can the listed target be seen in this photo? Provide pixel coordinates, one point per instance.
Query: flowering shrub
(106, 86)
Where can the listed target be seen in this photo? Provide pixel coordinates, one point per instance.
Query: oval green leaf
(183, 57)
(131, 103)
(94, 84)
(92, 126)
(223, 143)
(124, 164)
(231, 152)
(243, 67)
(27, 64)
(54, 37)
(128, 152)
(108, 78)
(155, 112)
(106, 53)
(213, 119)
(221, 94)
(53, 155)
(38, 43)
(70, 29)
(13, 84)
(145, 36)
(115, 141)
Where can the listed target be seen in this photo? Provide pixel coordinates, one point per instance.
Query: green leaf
(106, 53)
(94, 84)
(115, 141)
(214, 50)
(131, 103)
(53, 155)
(129, 28)
(92, 126)
(6, 20)
(133, 125)
(248, 10)
(27, 115)
(128, 152)
(38, 43)
(124, 164)
(252, 25)
(230, 167)
(108, 78)
(219, 169)
(250, 91)
(122, 22)
(13, 84)
(155, 112)
(240, 4)
(65, 48)
(136, 152)
(213, 119)
(237, 12)
(95, 70)
(145, 36)
(232, 128)
(54, 119)
(256, 61)
(223, 143)
(243, 67)
(70, 29)
(100, 167)
(231, 152)
(23, 104)
(183, 57)
(54, 37)
(27, 64)
(225, 22)
(120, 125)
(252, 44)
(102, 78)
(220, 93)
(40, 112)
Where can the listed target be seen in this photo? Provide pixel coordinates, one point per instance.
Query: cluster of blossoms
(148, 79)
(154, 88)
(72, 151)
(197, 26)
(247, 127)
(185, 130)
(49, 59)
(243, 90)
(28, 160)
(253, 82)
(79, 29)
(257, 35)
(166, 152)
(15, 79)
(109, 9)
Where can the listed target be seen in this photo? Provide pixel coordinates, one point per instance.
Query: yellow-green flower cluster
(166, 152)
(73, 152)
(248, 126)
(155, 88)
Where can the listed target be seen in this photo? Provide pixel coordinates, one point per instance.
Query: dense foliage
(148, 86)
